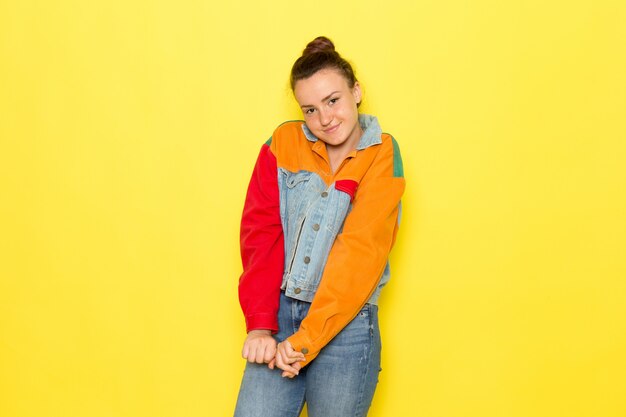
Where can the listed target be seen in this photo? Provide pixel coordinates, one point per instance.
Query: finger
(245, 351)
(290, 360)
(291, 352)
(282, 364)
(270, 352)
(251, 355)
(260, 353)
(297, 366)
(278, 359)
(271, 364)
(296, 355)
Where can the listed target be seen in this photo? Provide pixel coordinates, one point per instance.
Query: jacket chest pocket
(295, 191)
(296, 179)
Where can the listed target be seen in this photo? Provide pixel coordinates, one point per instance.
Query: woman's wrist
(260, 332)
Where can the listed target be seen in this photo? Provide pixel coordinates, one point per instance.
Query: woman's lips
(331, 129)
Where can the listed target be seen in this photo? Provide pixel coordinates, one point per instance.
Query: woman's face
(330, 110)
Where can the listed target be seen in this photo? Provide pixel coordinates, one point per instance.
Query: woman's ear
(356, 92)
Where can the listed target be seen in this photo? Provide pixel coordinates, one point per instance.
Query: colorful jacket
(321, 237)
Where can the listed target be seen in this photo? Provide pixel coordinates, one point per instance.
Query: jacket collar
(371, 132)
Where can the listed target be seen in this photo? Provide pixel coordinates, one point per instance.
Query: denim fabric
(340, 382)
(312, 215)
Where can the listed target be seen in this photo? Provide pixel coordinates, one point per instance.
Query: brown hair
(320, 54)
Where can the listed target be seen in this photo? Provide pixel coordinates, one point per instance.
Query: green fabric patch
(398, 169)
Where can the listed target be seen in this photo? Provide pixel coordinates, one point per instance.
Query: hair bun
(319, 44)
(320, 54)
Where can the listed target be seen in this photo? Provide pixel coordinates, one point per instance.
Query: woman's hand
(259, 347)
(288, 359)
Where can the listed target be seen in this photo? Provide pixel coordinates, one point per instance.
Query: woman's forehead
(319, 85)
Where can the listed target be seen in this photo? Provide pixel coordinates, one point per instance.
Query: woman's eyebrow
(324, 99)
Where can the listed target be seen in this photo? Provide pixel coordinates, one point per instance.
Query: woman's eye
(333, 100)
(309, 111)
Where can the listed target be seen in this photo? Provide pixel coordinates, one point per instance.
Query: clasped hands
(261, 347)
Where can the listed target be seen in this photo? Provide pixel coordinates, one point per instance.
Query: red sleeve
(262, 246)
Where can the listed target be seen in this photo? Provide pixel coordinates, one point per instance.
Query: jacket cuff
(262, 321)
(301, 343)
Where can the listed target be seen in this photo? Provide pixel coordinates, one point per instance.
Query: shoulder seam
(269, 141)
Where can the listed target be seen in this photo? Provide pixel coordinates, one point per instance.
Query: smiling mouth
(332, 129)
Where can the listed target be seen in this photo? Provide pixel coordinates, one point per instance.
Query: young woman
(320, 218)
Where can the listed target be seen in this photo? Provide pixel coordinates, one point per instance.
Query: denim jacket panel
(312, 215)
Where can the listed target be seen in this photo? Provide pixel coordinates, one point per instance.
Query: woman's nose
(325, 117)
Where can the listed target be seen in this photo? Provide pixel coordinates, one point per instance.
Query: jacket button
(324, 194)
(316, 227)
(297, 290)
(307, 259)
(305, 350)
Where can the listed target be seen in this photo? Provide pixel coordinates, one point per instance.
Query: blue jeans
(339, 382)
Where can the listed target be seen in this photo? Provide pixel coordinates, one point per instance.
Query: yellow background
(128, 133)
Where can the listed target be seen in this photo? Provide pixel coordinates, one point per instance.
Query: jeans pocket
(365, 311)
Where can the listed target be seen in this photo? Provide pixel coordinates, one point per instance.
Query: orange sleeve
(358, 256)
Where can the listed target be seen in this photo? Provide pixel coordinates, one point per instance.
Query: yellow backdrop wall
(128, 133)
